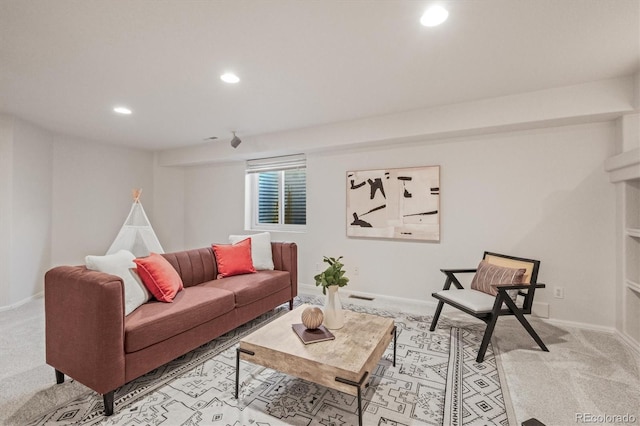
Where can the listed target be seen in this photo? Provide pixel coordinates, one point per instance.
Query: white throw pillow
(260, 249)
(121, 264)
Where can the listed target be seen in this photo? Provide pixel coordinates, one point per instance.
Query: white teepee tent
(136, 235)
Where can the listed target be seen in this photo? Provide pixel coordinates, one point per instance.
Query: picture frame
(396, 203)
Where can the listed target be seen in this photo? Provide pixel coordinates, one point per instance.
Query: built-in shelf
(633, 286)
(633, 232)
(623, 167)
(624, 170)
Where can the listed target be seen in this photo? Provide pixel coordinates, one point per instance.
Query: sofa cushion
(234, 259)
(261, 254)
(249, 288)
(160, 278)
(121, 264)
(154, 321)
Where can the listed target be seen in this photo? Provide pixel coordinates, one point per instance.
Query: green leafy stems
(333, 275)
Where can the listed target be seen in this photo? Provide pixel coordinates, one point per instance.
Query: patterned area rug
(436, 381)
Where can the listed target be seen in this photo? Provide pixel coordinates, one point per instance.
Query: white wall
(535, 193)
(92, 186)
(6, 206)
(25, 206)
(168, 206)
(213, 203)
(582, 103)
(31, 221)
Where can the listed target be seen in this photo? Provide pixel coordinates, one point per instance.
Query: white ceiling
(65, 64)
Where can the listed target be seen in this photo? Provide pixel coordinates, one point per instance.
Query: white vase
(333, 315)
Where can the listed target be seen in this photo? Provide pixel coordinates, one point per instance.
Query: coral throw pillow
(160, 278)
(234, 259)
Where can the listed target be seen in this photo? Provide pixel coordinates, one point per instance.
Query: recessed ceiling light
(434, 16)
(229, 78)
(122, 110)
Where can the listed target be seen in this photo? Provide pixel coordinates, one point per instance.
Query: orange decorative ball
(312, 317)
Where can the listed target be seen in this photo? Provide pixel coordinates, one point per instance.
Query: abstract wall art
(394, 203)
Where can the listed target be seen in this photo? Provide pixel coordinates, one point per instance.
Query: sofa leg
(291, 305)
(59, 377)
(108, 403)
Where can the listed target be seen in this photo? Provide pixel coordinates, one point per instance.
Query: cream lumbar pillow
(121, 264)
(260, 249)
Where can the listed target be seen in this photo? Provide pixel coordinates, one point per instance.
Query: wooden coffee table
(343, 364)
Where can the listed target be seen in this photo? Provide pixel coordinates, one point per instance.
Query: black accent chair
(502, 285)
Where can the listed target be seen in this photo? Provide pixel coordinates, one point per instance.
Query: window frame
(275, 164)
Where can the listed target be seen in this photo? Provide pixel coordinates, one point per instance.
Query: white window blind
(278, 198)
(298, 161)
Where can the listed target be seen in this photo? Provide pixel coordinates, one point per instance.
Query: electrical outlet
(356, 271)
(318, 267)
(558, 292)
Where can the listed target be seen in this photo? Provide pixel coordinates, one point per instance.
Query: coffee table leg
(395, 339)
(359, 407)
(244, 351)
(237, 370)
(358, 386)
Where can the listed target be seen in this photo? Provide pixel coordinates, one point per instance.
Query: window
(277, 193)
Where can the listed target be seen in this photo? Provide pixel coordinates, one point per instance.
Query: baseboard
(540, 309)
(421, 306)
(418, 307)
(22, 302)
(632, 343)
(581, 325)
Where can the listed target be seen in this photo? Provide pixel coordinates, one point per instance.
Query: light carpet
(436, 381)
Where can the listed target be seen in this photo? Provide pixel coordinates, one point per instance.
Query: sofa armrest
(285, 258)
(84, 326)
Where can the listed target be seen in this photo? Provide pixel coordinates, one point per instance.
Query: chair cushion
(489, 275)
(474, 300)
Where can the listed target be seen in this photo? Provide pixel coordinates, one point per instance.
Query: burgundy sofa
(89, 339)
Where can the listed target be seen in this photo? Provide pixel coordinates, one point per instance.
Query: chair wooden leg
(108, 403)
(530, 330)
(434, 322)
(491, 324)
(527, 326)
(291, 305)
